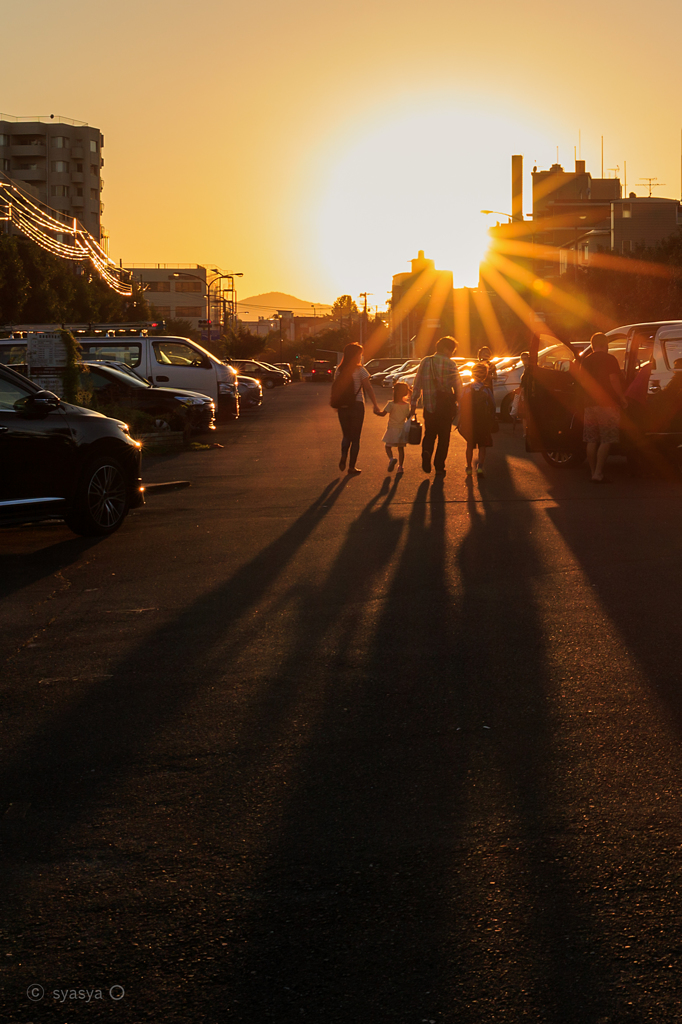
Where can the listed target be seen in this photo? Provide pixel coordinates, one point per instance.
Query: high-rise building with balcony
(60, 162)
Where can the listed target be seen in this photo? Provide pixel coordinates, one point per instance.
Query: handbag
(415, 432)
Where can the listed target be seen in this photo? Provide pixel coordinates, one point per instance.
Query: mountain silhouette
(268, 303)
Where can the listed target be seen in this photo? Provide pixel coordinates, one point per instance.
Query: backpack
(343, 391)
(483, 416)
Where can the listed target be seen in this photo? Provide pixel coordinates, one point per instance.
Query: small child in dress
(398, 412)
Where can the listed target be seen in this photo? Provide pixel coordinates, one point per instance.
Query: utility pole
(363, 322)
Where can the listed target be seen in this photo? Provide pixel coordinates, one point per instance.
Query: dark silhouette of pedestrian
(438, 381)
(351, 384)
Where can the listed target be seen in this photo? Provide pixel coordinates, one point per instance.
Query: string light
(40, 226)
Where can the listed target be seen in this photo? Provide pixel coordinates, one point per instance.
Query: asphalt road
(291, 746)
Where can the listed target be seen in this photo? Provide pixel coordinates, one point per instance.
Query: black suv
(61, 461)
(117, 391)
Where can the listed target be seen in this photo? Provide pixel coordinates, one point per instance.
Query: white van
(166, 361)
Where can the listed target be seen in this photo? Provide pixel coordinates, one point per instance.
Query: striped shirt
(359, 375)
(435, 373)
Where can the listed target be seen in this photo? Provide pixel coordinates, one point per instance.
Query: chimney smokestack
(517, 188)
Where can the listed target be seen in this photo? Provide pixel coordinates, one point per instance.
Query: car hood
(79, 412)
(183, 393)
(252, 382)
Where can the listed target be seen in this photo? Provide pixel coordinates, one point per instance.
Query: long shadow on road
(115, 720)
(424, 778)
(406, 866)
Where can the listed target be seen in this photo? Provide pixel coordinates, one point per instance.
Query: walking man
(603, 385)
(438, 381)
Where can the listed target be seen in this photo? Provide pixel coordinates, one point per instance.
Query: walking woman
(351, 384)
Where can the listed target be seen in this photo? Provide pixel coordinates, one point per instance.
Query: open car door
(554, 402)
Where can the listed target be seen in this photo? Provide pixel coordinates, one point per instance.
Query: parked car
(380, 376)
(117, 392)
(273, 366)
(382, 364)
(462, 366)
(392, 377)
(176, 362)
(61, 461)
(269, 376)
(556, 399)
(286, 367)
(250, 392)
(510, 370)
(323, 370)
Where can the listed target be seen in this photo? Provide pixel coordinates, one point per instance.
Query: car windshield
(130, 380)
(121, 369)
(11, 354)
(120, 351)
(554, 357)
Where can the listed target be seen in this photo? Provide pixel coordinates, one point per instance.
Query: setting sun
(417, 180)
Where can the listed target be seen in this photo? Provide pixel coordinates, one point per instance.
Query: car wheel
(102, 499)
(505, 407)
(269, 384)
(560, 460)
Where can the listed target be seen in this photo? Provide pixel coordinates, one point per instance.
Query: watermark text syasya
(87, 995)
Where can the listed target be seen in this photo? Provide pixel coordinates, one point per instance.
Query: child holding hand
(398, 412)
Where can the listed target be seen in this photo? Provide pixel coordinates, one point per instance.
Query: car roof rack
(140, 328)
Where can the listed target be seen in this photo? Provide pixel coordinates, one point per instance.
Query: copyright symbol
(117, 992)
(35, 992)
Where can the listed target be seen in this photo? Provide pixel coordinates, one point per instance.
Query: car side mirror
(38, 405)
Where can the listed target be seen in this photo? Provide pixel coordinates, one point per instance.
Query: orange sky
(315, 147)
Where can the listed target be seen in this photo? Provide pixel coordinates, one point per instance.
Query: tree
(343, 306)
(182, 328)
(37, 287)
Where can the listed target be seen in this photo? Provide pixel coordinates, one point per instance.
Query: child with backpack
(398, 412)
(477, 417)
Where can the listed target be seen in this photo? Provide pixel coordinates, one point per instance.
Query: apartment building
(60, 162)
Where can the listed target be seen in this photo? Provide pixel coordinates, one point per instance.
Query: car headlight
(187, 400)
(224, 388)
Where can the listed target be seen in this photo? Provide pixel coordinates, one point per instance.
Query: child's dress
(398, 414)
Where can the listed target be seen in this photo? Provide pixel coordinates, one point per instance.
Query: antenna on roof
(650, 183)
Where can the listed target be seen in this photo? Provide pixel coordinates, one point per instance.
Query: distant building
(422, 308)
(60, 162)
(638, 222)
(568, 207)
(178, 291)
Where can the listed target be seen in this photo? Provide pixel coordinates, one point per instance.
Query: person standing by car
(602, 383)
(519, 405)
(438, 381)
(350, 385)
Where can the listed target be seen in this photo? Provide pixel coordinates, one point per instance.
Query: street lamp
(233, 302)
(209, 285)
(498, 213)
